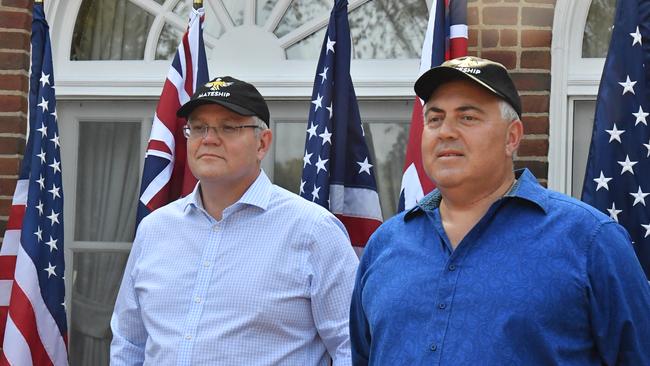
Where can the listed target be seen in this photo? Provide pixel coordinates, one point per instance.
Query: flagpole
(197, 4)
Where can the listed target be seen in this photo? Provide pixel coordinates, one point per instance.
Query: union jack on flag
(33, 329)
(446, 38)
(337, 170)
(617, 179)
(166, 176)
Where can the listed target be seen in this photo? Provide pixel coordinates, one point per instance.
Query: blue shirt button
(452, 267)
(433, 347)
(442, 305)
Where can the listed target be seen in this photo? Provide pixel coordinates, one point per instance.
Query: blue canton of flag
(617, 179)
(337, 171)
(35, 330)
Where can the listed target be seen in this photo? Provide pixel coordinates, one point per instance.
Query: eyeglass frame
(218, 130)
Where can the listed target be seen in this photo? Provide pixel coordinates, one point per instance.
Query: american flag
(338, 173)
(32, 287)
(617, 180)
(166, 176)
(446, 38)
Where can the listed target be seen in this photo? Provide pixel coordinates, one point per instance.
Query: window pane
(264, 8)
(583, 124)
(110, 30)
(598, 29)
(388, 29)
(236, 10)
(308, 48)
(107, 181)
(170, 37)
(387, 142)
(301, 12)
(96, 281)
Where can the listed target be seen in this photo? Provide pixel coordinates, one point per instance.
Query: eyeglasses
(224, 131)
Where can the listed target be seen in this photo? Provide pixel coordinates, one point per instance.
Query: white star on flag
(45, 78)
(39, 233)
(613, 212)
(364, 166)
(323, 75)
(55, 140)
(647, 229)
(54, 191)
(602, 181)
(640, 116)
(314, 193)
(331, 110)
(639, 197)
(330, 45)
(627, 165)
(56, 166)
(52, 244)
(41, 182)
(42, 130)
(647, 146)
(41, 156)
(317, 102)
(56, 118)
(628, 85)
(615, 134)
(312, 131)
(40, 207)
(636, 37)
(306, 160)
(302, 186)
(54, 217)
(50, 270)
(326, 136)
(43, 104)
(320, 164)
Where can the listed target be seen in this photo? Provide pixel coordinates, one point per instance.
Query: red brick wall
(517, 33)
(15, 30)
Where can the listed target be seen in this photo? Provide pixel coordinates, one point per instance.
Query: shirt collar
(526, 187)
(258, 194)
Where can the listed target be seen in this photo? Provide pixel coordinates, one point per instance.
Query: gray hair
(260, 124)
(508, 113)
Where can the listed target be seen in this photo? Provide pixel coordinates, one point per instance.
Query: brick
(500, 15)
(472, 16)
(489, 38)
(14, 82)
(13, 124)
(15, 20)
(538, 168)
(14, 40)
(14, 61)
(22, 4)
(536, 38)
(12, 145)
(507, 58)
(472, 52)
(535, 125)
(533, 148)
(9, 166)
(508, 37)
(5, 206)
(13, 103)
(527, 81)
(3, 228)
(7, 186)
(535, 103)
(536, 60)
(539, 17)
(472, 35)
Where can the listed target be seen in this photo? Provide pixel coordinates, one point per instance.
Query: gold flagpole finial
(198, 4)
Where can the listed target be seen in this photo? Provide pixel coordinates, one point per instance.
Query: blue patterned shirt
(269, 284)
(541, 279)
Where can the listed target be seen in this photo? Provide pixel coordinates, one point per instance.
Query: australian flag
(338, 173)
(617, 180)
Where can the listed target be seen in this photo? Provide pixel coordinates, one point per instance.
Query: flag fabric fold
(617, 178)
(446, 38)
(33, 326)
(166, 176)
(338, 172)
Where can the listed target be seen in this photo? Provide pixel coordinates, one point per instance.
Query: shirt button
(215, 227)
(442, 305)
(197, 299)
(206, 264)
(188, 337)
(452, 267)
(433, 347)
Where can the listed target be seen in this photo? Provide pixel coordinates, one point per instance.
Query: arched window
(581, 33)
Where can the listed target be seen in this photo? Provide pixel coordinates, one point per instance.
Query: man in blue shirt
(491, 268)
(239, 272)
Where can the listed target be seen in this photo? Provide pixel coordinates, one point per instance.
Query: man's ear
(264, 143)
(513, 139)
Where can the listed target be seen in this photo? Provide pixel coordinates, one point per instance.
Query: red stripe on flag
(7, 267)
(4, 310)
(158, 145)
(16, 214)
(3, 359)
(414, 149)
(22, 314)
(189, 71)
(458, 47)
(359, 228)
(168, 105)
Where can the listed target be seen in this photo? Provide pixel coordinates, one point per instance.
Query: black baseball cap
(491, 75)
(234, 94)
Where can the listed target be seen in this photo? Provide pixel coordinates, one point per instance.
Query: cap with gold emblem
(234, 94)
(489, 74)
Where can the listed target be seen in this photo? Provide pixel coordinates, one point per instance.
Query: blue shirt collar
(258, 194)
(526, 188)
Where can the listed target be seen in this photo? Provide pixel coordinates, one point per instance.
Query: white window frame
(281, 79)
(573, 78)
